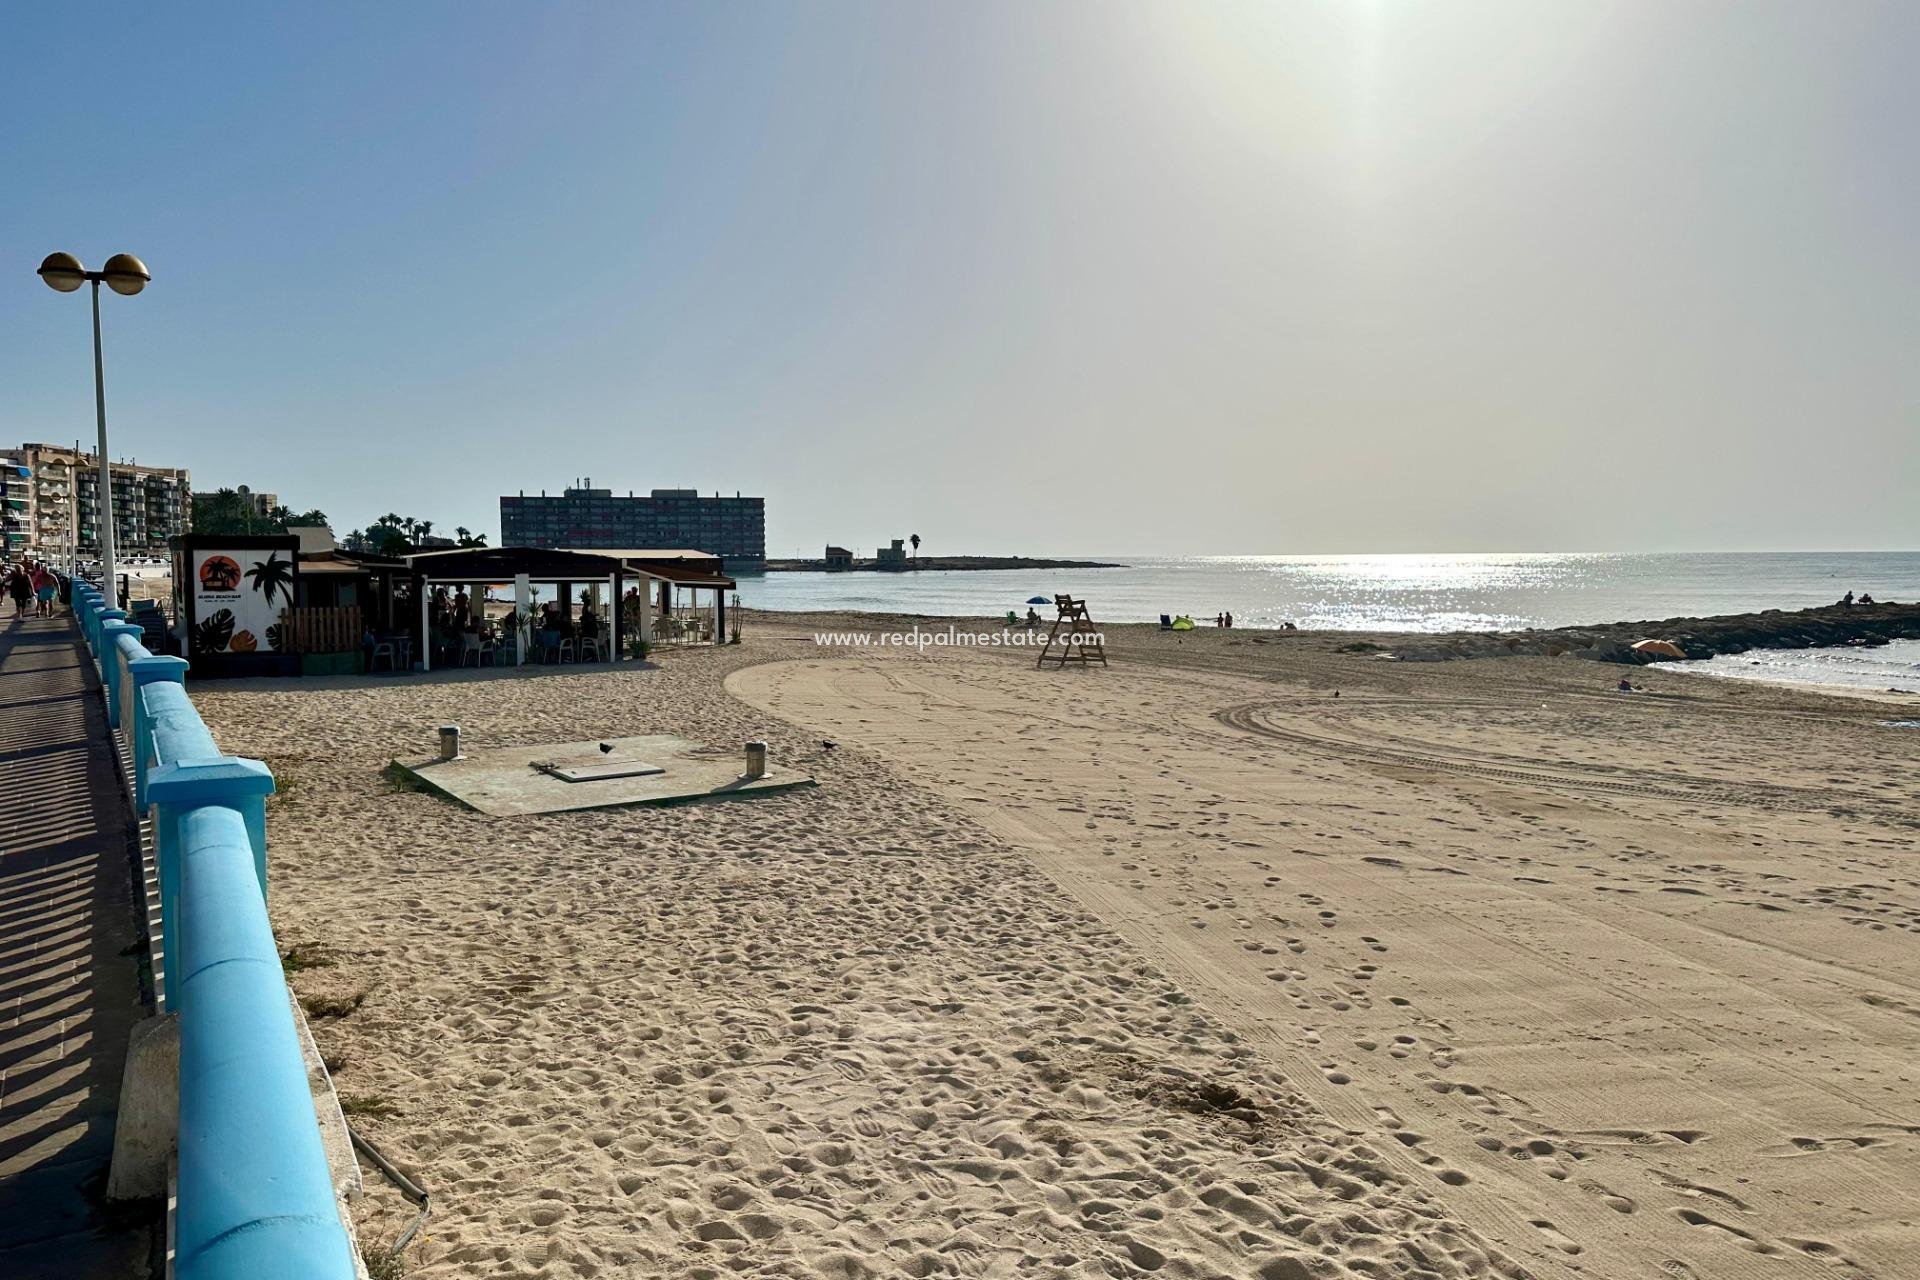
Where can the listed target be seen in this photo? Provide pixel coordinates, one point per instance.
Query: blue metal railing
(255, 1195)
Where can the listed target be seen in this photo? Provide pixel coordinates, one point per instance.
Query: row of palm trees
(395, 534)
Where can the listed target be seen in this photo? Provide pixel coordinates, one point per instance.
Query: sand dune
(1185, 967)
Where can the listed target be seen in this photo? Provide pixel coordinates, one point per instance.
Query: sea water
(1895, 665)
(1373, 592)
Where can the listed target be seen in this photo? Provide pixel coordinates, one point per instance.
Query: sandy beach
(1243, 957)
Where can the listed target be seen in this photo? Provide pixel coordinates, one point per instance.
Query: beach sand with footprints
(1185, 967)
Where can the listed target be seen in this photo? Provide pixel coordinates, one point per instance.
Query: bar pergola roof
(547, 564)
(503, 564)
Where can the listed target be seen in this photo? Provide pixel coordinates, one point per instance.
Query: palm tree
(422, 528)
(915, 540)
(272, 576)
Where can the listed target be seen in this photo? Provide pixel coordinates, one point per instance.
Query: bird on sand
(827, 746)
(606, 748)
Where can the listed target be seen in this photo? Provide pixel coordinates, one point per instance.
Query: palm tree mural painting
(272, 576)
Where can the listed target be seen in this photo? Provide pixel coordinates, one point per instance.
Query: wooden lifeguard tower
(1081, 643)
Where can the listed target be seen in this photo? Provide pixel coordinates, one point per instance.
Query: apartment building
(16, 504)
(735, 529)
(52, 496)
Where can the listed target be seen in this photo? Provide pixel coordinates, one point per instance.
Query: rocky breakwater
(1866, 625)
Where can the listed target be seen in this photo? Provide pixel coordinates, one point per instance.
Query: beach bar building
(667, 587)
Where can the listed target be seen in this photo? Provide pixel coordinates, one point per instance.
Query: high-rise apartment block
(735, 529)
(52, 502)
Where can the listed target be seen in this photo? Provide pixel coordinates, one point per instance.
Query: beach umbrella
(1665, 648)
(1039, 600)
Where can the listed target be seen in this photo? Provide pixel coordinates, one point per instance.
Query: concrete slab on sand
(509, 781)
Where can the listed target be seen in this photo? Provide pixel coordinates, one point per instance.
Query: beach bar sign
(238, 596)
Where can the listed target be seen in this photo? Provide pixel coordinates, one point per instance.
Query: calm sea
(1376, 593)
(1894, 666)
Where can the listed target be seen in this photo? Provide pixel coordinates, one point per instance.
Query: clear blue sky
(1019, 277)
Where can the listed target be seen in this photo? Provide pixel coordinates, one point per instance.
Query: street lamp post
(125, 275)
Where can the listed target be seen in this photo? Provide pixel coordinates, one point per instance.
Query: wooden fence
(320, 630)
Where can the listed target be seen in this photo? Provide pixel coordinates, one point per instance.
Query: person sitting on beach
(1033, 619)
(1866, 598)
(1626, 685)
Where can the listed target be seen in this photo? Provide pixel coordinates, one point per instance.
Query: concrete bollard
(756, 759)
(147, 1128)
(449, 742)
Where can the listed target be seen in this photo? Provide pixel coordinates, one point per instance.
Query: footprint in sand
(1555, 1238)
(1609, 1197)
(1746, 1239)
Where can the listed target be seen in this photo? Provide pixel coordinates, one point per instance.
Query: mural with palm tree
(272, 576)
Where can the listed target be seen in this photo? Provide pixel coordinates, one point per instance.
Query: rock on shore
(1697, 637)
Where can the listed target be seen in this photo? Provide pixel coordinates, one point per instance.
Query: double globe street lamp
(125, 275)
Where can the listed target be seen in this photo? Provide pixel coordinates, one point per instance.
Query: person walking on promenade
(45, 588)
(20, 588)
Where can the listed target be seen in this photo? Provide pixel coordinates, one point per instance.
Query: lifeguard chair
(1081, 643)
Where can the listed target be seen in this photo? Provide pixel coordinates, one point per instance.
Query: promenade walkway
(69, 966)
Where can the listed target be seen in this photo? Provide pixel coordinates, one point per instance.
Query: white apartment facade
(52, 501)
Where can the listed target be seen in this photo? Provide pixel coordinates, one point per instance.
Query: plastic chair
(382, 650)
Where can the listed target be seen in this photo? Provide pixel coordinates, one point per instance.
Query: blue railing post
(90, 623)
(255, 1194)
(81, 602)
(178, 790)
(102, 650)
(110, 655)
(153, 669)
